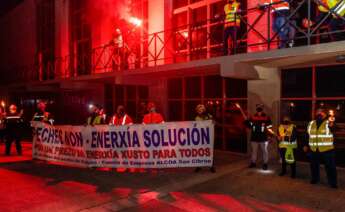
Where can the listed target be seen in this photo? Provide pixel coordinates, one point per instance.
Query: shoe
(313, 182)
(213, 170)
(197, 169)
(282, 173)
(334, 186)
(252, 165)
(265, 167)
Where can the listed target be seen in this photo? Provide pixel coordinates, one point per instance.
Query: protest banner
(168, 145)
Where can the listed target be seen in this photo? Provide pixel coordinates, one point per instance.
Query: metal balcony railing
(198, 40)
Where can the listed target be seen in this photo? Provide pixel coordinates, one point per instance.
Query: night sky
(7, 5)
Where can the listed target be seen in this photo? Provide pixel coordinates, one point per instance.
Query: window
(175, 110)
(185, 93)
(81, 36)
(298, 111)
(213, 86)
(179, 3)
(330, 81)
(174, 88)
(235, 88)
(297, 82)
(46, 37)
(193, 85)
(199, 16)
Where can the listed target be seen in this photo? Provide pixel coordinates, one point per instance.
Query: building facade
(72, 53)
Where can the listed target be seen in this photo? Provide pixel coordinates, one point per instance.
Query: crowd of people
(286, 19)
(319, 145)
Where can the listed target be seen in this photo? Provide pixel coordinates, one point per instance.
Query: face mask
(259, 109)
(319, 117)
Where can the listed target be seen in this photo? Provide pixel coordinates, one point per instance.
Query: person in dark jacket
(261, 128)
(13, 125)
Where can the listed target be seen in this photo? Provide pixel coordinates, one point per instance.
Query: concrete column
(156, 24)
(266, 91)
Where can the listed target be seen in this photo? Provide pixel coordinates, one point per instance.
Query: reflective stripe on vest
(13, 117)
(338, 7)
(288, 143)
(279, 6)
(124, 120)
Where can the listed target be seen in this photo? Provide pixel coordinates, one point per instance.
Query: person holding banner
(152, 117)
(42, 115)
(95, 118)
(203, 115)
(120, 118)
(13, 125)
(287, 137)
(261, 128)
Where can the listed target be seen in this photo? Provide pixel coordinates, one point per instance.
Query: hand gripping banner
(168, 145)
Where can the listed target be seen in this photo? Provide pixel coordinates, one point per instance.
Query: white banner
(168, 145)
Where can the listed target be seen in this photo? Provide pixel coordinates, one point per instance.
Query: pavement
(27, 185)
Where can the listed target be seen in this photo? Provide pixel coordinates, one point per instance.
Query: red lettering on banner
(201, 152)
(163, 154)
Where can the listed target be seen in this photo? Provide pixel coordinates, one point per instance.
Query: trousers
(264, 148)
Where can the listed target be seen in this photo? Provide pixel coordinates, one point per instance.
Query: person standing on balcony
(321, 146)
(287, 137)
(13, 126)
(121, 118)
(152, 117)
(280, 10)
(232, 24)
(118, 49)
(261, 128)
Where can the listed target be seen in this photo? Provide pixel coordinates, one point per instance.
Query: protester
(95, 117)
(287, 137)
(321, 147)
(232, 24)
(203, 115)
(13, 129)
(42, 115)
(121, 117)
(152, 117)
(261, 128)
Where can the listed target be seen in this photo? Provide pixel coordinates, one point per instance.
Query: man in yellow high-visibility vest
(287, 137)
(232, 24)
(321, 145)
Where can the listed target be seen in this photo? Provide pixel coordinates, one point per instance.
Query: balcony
(200, 41)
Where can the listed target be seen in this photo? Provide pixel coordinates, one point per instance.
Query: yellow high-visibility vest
(322, 8)
(286, 132)
(321, 138)
(97, 120)
(338, 6)
(231, 18)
